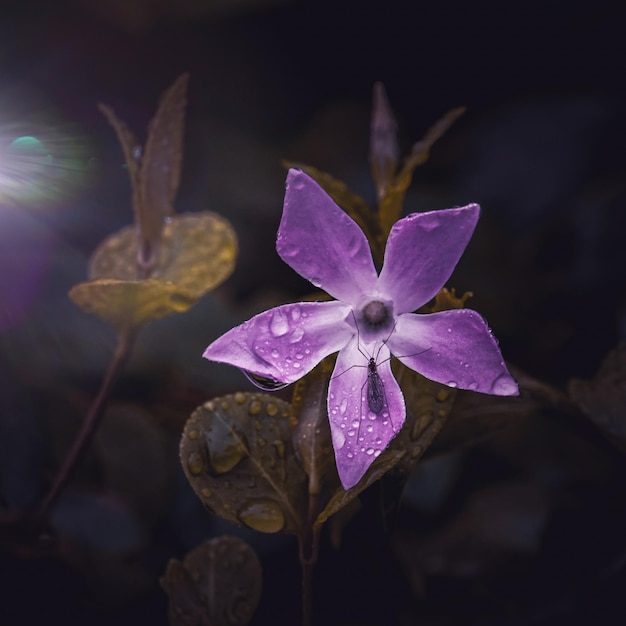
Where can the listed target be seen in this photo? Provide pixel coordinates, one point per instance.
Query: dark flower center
(375, 313)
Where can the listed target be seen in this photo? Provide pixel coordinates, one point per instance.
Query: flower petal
(362, 428)
(322, 243)
(455, 348)
(422, 251)
(286, 342)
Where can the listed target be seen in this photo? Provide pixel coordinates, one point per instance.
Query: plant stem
(125, 342)
(308, 550)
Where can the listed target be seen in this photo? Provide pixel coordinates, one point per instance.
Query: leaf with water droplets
(237, 454)
(603, 399)
(351, 203)
(428, 405)
(391, 204)
(197, 253)
(218, 583)
(311, 436)
(475, 417)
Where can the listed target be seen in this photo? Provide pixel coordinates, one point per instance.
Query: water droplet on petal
(504, 385)
(369, 451)
(275, 353)
(279, 324)
(296, 335)
(339, 439)
(263, 515)
(452, 383)
(295, 313)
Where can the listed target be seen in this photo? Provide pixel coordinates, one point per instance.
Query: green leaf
(391, 204)
(311, 436)
(237, 454)
(218, 583)
(155, 174)
(197, 253)
(476, 416)
(428, 405)
(603, 399)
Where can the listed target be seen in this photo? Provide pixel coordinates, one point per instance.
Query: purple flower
(370, 320)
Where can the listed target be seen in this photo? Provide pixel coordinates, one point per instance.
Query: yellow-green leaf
(130, 303)
(198, 252)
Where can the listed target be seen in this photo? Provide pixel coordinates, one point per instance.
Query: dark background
(541, 148)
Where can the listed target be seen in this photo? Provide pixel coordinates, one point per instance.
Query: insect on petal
(366, 410)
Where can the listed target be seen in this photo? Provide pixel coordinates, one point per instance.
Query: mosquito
(375, 394)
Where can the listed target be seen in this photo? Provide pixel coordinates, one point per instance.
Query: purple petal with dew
(361, 431)
(422, 252)
(322, 243)
(455, 348)
(285, 343)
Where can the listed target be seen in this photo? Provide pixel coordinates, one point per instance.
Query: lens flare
(41, 168)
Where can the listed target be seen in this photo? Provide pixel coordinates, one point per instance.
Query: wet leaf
(155, 174)
(197, 254)
(311, 436)
(237, 454)
(384, 151)
(603, 399)
(218, 583)
(476, 416)
(391, 204)
(351, 203)
(428, 405)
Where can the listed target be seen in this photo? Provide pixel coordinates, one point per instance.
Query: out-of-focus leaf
(218, 583)
(130, 147)
(128, 304)
(390, 205)
(384, 151)
(340, 498)
(155, 174)
(237, 454)
(162, 159)
(428, 405)
(311, 436)
(351, 203)
(198, 253)
(603, 399)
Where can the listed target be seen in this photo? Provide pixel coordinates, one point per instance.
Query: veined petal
(365, 414)
(286, 342)
(422, 251)
(455, 348)
(322, 243)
